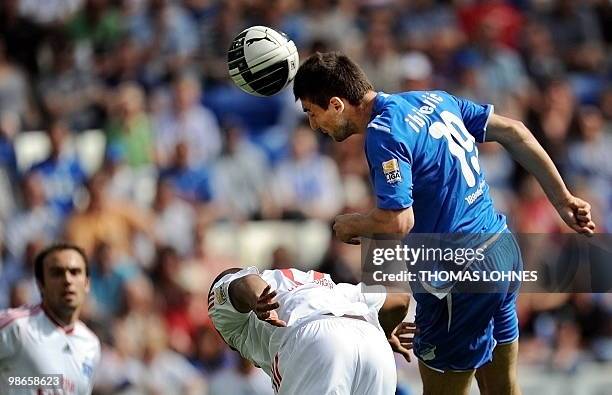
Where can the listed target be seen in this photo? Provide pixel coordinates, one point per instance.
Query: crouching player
(310, 335)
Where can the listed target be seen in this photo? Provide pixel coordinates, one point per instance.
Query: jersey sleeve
(224, 315)
(244, 332)
(475, 117)
(9, 337)
(390, 162)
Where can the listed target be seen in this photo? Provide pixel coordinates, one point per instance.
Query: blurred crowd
(186, 150)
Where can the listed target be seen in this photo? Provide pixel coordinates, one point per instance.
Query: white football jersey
(302, 296)
(33, 345)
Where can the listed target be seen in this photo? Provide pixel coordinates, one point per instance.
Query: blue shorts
(460, 331)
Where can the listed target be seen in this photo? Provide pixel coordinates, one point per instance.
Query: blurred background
(120, 131)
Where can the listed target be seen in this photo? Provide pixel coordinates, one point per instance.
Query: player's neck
(64, 321)
(364, 111)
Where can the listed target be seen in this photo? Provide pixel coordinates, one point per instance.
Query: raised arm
(514, 136)
(252, 293)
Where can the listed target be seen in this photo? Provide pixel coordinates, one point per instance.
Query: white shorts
(335, 356)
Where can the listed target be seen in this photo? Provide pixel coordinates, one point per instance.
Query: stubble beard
(345, 130)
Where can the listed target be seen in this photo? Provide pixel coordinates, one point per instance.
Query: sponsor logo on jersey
(220, 295)
(391, 171)
(87, 370)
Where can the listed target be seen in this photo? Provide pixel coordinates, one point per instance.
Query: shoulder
(18, 315)
(83, 332)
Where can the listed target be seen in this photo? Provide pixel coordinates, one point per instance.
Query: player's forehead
(65, 259)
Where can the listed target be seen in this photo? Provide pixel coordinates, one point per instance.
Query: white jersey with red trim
(33, 345)
(302, 296)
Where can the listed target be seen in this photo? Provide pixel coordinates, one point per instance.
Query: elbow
(404, 302)
(519, 132)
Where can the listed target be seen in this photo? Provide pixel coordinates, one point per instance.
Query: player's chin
(340, 137)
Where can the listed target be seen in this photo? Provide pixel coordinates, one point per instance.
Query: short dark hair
(325, 75)
(39, 261)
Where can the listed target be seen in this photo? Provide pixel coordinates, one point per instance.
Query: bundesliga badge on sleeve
(392, 171)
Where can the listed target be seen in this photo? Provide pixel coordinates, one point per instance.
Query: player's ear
(337, 104)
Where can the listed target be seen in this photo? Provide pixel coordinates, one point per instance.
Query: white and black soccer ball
(262, 61)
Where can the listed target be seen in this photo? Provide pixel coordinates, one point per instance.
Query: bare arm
(252, 293)
(350, 226)
(525, 149)
(393, 311)
(391, 317)
(245, 291)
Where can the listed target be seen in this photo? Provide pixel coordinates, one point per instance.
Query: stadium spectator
(9, 127)
(420, 21)
(166, 371)
(109, 273)
(50, 12)
(244, 378)
(14, 90)
(61, 173)
(589, 158)
(552, 117)
(120, 366)
(240, 179)
(307, 184)
(20, 274)
(69, 91)
(416, 72)
(36, 220)
(191, 182)
(187, 122)
(500, 68)
(129, 128)
(138, 312)
(22, 37)
(167, 36)
(104, 220)
(175, 219)
(98, 24)
(379, 59)
(577, 34)
(212, 357)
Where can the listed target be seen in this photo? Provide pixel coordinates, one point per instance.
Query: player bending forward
(310, 335)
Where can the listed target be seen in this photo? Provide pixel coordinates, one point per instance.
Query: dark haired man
(310, 335)
(49, 339)
(420, 147)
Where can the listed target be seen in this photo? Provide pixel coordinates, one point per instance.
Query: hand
(342, 228)
(577, 215)
(265, 308)
(401, 338)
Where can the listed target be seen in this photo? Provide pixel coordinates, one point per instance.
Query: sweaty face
(65, 284)
(330, 121)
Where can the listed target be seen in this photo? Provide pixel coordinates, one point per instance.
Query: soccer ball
(262, 61)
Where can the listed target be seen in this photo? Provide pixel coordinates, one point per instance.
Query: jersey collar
(68, 329)
(379, 103)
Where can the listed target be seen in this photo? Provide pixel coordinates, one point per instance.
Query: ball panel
(262, 61)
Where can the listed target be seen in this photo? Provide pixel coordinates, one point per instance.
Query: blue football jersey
(421, 150)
